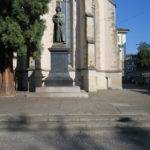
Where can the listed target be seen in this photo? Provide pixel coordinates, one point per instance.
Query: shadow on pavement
(17, 123)
(137, 88)
(62, 139)
(71, 141)
(125, 137)
(131, 134)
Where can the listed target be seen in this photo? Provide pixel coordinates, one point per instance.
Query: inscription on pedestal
(59, 74)
(59, 62)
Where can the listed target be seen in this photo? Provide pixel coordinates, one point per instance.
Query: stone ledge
(84, 122)
(55, 89)
(81, 94)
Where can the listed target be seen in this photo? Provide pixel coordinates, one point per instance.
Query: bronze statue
(58, 20)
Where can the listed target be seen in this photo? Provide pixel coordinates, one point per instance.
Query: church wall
(97, 25)
(109, 73)
(88, 74)
(95, 57)
(114, 80)
(47, 39)
(111, 61)
(108, 41)
(90, 33)
(101, 45)
(74, 32)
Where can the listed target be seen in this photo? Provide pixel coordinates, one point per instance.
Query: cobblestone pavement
(118, 139)
(104, 102)
(112, 102)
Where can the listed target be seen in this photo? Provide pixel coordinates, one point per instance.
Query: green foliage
(143, 57)
(21, 27)
(33, 36)
(11, 36)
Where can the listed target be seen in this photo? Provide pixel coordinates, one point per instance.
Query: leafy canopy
(11, 35)
(21, 26)
(143, 57)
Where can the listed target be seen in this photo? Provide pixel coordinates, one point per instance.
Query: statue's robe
(58, 20)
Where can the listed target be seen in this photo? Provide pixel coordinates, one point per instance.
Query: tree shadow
(131, 133)
(66, 140)
(62, 139)
(32, 148)
(127, 136)
(17, 123)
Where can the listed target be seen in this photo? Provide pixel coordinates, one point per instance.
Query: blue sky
(134, 15)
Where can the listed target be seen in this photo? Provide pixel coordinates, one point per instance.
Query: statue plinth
(59, 47)
(59, 74)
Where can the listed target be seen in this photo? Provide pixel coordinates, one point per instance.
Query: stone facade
(94, 59)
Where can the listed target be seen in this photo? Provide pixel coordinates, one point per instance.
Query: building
(122, 40)
(130, 63)
(133, 74)
(91, 35)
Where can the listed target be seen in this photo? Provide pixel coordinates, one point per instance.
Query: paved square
(108, 120)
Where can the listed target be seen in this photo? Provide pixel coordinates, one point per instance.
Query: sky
(134, 15)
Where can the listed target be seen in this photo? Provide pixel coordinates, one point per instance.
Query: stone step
(81, 94)
(77, 117)
(84, 122)
(60, 89)
(71, 126)
(90, 118)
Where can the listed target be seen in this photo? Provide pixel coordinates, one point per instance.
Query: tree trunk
(0, 79)
(1, 70)
(7, 76)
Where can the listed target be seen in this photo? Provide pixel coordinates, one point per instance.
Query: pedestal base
(59, 75)
(59, 83)
(55, 80)
(60, 92)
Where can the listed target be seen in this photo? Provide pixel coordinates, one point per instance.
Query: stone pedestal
(59, 83)
(59, 74)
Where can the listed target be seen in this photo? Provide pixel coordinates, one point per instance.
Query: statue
(58, 20)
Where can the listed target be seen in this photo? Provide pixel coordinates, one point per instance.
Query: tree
(21, 30)
(143, 57)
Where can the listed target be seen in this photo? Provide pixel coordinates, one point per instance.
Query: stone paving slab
(61, 139)
(120, 121)
(104, 102)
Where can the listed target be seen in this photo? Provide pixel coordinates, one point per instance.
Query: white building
(122, 40)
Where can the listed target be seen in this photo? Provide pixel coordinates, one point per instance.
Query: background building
(130, 63)
(122, 40)
(132, 74)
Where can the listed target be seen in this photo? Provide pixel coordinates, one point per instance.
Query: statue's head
(58, 9)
